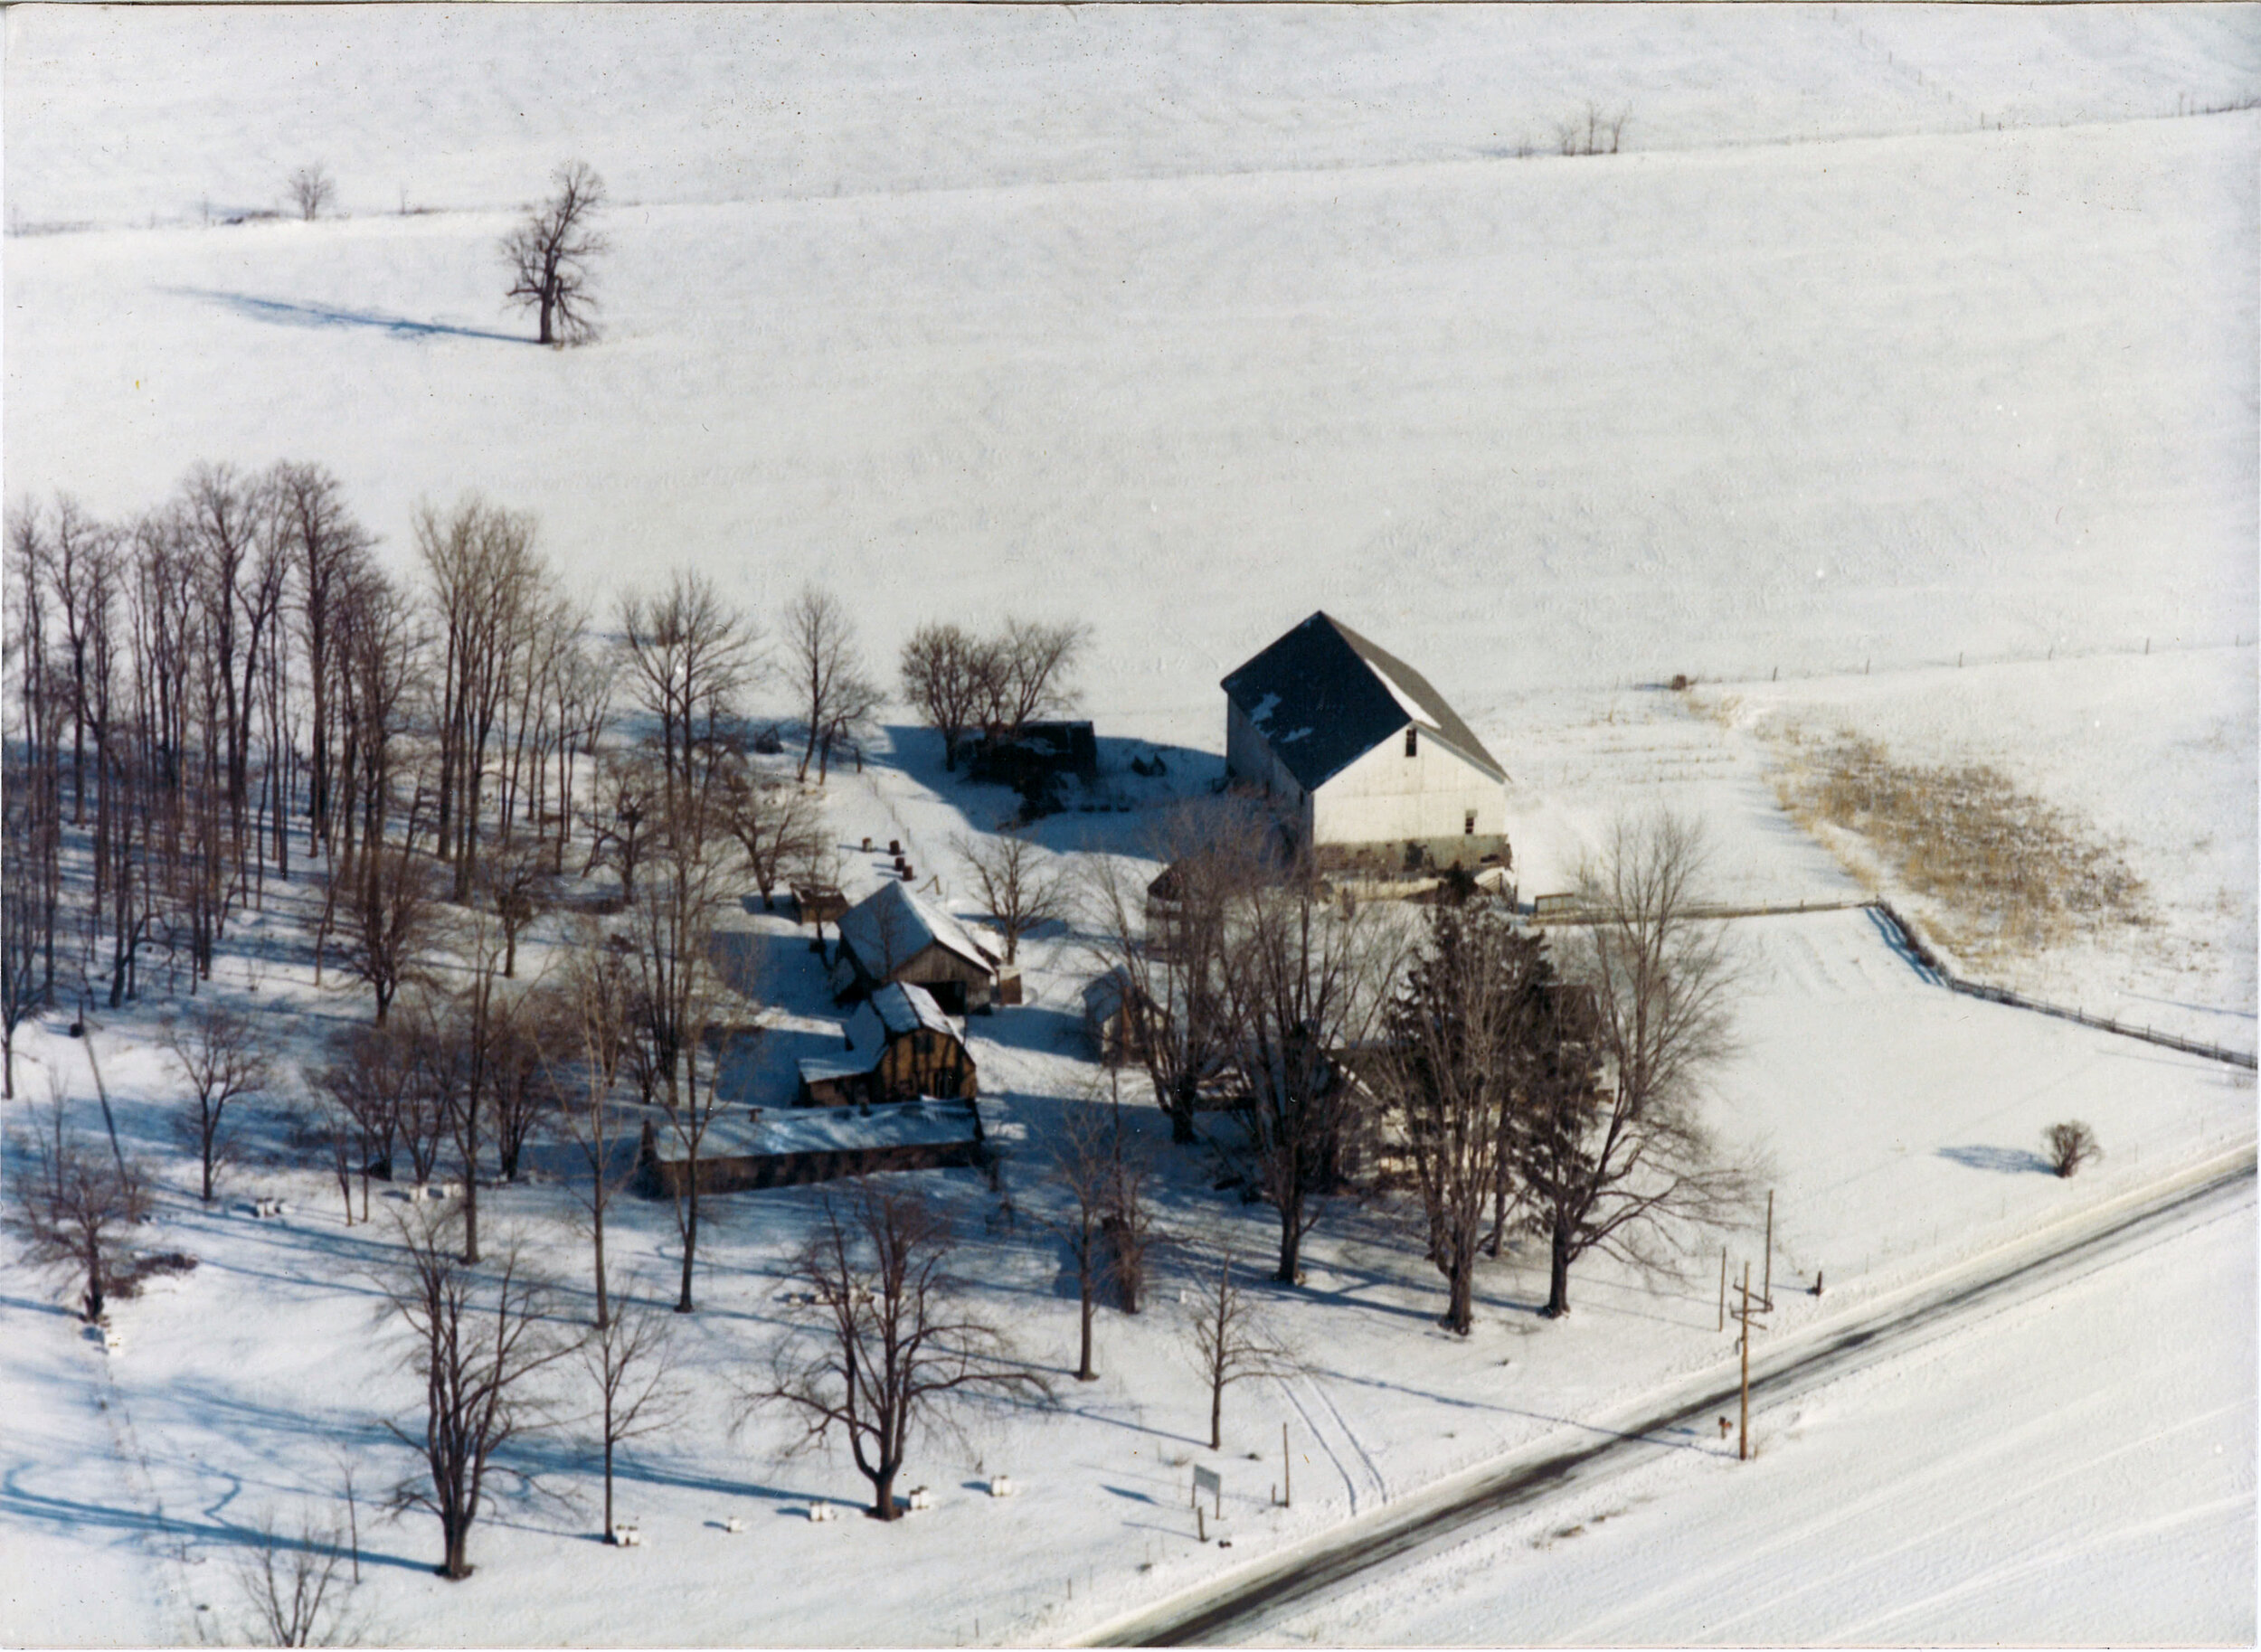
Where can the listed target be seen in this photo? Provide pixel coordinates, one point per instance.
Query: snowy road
(1289, 1586)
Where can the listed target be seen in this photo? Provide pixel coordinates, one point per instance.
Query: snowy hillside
(1535, 423)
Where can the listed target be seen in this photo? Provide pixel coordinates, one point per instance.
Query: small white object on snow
(627, 1537)
(822, 1511)
(734, 1524)
(1001, 1486)
(921, 1498)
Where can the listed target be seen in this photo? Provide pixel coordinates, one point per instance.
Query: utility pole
(1742, 1439)
(1770, 1250)
(1287, 1470)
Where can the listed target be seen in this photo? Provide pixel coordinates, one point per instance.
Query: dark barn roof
(1322, 696)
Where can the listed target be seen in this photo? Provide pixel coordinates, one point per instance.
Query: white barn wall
(1386, 797)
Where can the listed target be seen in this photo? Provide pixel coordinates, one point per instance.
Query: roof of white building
(1322, 696)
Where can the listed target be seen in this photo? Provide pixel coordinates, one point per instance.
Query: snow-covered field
(1186, 323)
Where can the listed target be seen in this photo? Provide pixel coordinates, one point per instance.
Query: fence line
(1572, 916)
(2018, 1000)
(1937, 967)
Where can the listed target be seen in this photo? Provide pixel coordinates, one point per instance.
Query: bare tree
(1126, 1221)
(680, 998)
(1167, 938)
(1625, 1164)
(480, 1341)
(1458, 1034)
(22, 991)
(224, 1056)
(623, 814)
(1305, 980)
(358, 1096)
(949, 675)
(630, 1361)
(1085, 1161)
(899, 1343)
(689, 656)
(1019, 886)
(586, 1060)
(550, 253)
(490, 590)
(311, 189)
(389, 926)
(73, 1207)
(1228, 1340)
(521, 1091)
(826, 672)
(776, 823)
(1033, 674)
(2070, 1146)
(293, 1585)
(515, 882)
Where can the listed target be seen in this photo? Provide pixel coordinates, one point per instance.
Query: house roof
(904, 1007)
(737, 1132)
(892, 926)
(892, 1011)
(824, 1069)
(1323, 697)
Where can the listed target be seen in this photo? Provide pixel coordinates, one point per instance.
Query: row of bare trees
(232, 674)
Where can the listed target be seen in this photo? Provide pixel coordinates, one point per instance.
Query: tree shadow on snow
(2002, 1161)
(75, 1515)
(287, 314)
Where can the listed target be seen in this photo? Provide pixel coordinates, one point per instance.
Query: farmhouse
(1368, 766)
(892, 935)
(900, 1047)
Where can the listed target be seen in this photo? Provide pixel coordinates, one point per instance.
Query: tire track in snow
(1381, 1485)
(1287, 1387)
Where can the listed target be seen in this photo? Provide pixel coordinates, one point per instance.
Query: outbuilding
(899, 1044)
(895, 935)
(750, 1151)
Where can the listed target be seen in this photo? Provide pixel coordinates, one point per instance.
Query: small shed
(1109, 1021)
(817, 904)
(1065, 747)
(753, 1150)
(899, 1045)
(894, 935)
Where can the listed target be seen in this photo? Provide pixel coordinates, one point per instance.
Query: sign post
(1210, 1481)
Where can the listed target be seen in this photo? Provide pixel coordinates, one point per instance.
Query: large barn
(1364, 760)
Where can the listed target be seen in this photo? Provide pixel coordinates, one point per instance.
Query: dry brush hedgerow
(2019, 874)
